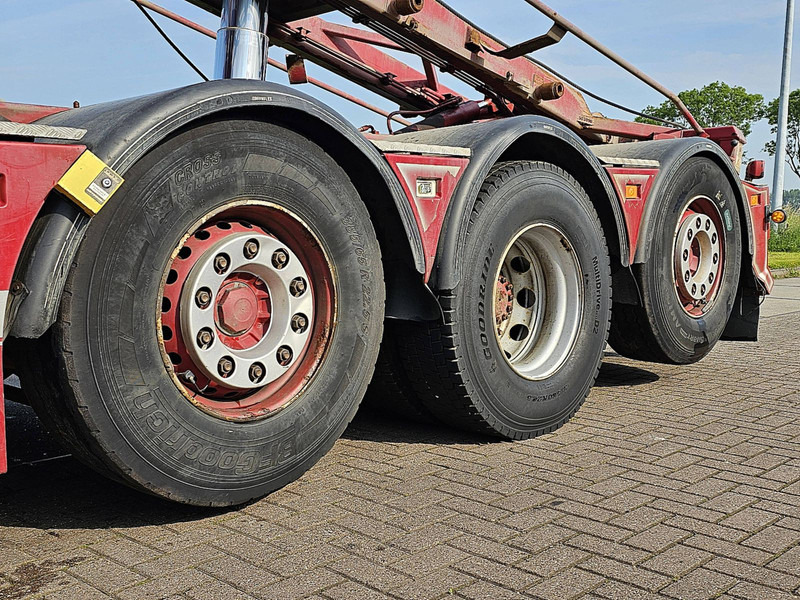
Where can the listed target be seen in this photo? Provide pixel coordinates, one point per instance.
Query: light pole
(783, 110)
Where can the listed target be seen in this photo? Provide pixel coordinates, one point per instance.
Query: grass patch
(786, 239)
(784, 260)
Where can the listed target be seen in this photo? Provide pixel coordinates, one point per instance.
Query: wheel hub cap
(253, 305)
(698, 255)
(243, 303)
(247, 314)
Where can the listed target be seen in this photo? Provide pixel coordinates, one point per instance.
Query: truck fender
(668, 156)
(517, 138)
(121, 132)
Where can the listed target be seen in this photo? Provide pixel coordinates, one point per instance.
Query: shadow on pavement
(46, 488)
(372, 425)
(616, 375)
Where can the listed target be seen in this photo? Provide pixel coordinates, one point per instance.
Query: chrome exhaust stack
(242, 41)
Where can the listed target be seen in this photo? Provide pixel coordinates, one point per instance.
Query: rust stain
(31, 578)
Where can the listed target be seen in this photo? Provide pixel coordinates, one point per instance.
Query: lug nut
(297, 287)
(691, 234)
(698, 223)
(716, 258)
(694, 289)
(250, 249)
(299, 323)
(708, 224)
(203, 298)
(702, 290)
(685, 255)
(284, 356)
(687, 276)
(280, 258)
(713, 238)
(257, 372)
(225, 366)
(221, 263)
(205, 338)
(711, 278)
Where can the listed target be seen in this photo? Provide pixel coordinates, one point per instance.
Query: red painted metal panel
(758, 197)
(633, 207)
(362, 46)
(28, 172)
(429, 208)
(27, 113)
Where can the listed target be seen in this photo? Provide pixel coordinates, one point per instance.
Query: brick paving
(671, 483)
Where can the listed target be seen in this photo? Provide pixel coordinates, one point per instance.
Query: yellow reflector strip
(755, 200)
(89, 183)
(632, 191)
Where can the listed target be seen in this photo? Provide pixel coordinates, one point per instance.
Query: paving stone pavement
(671, 482)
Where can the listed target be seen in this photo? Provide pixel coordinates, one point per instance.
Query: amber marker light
(778, 216)
(633, 191)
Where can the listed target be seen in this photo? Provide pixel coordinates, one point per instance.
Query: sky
(101, 50)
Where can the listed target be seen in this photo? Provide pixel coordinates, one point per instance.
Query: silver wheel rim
(285, 301)
(698, 256)
(538, 301)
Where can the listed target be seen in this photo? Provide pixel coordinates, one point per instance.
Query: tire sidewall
(536, 194)
(134, 409)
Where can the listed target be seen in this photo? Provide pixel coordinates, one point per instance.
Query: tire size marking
(363, 260)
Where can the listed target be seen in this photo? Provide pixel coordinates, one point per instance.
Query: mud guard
(121, 132)
(516, 138)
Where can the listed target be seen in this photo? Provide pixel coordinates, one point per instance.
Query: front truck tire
(524, 332)
(689, 282)
(221, 320)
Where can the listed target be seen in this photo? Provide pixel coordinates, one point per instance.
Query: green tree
(792, 133)
(714, 105)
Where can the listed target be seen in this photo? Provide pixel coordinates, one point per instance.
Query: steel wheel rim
(271, 368)
(698, 256)
(538, 301)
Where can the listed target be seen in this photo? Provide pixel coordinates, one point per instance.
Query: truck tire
(524, 332)
(221, 320)
(390, 392)
(688, 284)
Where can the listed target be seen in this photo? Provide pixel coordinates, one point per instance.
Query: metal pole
(783, 110)
(242, 42)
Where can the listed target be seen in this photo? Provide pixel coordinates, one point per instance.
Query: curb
(785, 273)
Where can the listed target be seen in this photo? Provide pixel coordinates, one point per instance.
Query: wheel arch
(670, 156)
(122, 132)
(517, 138)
